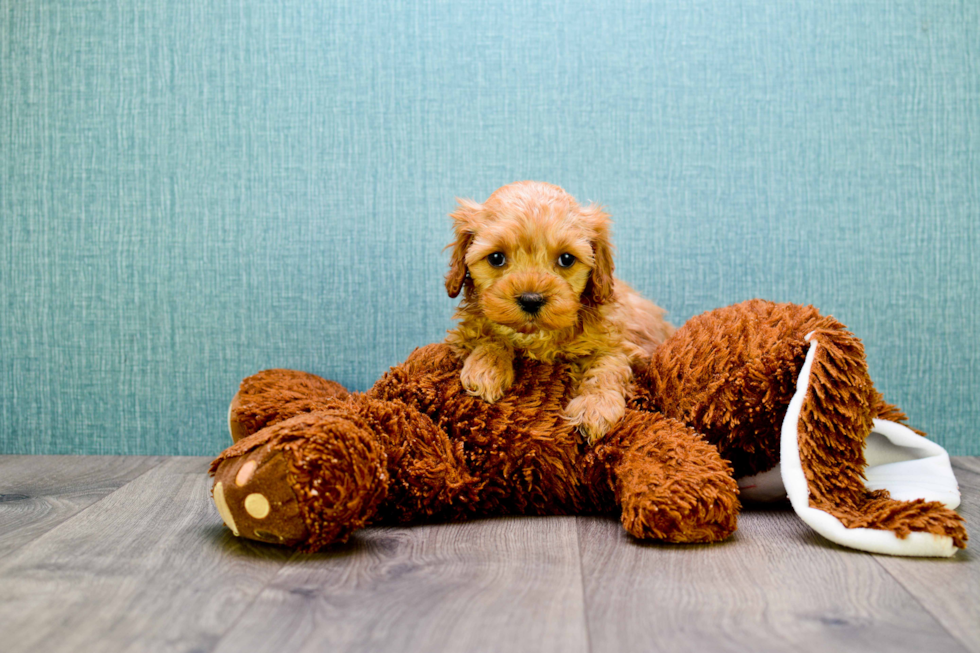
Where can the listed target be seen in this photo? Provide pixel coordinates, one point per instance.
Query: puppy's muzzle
(531, 302)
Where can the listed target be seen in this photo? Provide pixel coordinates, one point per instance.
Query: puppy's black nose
(531, 302)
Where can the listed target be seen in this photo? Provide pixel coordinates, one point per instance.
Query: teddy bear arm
(670, 484)
(427, 379)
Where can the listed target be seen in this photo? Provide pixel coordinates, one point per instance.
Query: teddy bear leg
(671, 484)
(314, 478)
(272, 396)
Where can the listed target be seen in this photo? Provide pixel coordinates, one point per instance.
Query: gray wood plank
(509, 584)
(969, 464)
(39, 492)
(149, 567)
(950, 589)
(775, 586)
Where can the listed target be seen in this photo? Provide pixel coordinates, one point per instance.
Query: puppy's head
(530, 257)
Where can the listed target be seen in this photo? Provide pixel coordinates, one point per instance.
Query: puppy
(537, 269)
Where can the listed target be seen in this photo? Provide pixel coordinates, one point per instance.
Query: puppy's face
(531, 256)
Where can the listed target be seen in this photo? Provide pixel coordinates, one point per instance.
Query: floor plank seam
(581, 580)
(959, 465)
(11, 553)
(925, 608)
(245, 610)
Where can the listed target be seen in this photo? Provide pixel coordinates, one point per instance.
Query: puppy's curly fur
(537, 271)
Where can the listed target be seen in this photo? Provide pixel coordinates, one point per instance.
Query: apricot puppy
(537, 271)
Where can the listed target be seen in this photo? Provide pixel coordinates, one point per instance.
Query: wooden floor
(128, 554)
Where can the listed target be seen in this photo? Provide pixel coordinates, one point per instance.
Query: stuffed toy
(754, 401)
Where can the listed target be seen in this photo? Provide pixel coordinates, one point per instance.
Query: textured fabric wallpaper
(193, 191)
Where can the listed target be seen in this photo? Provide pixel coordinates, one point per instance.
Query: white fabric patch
(764, 487)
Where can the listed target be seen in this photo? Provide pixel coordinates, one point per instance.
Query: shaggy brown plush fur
(417, 446)
(448, 455)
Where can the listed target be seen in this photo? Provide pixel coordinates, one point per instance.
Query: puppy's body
(537, 272)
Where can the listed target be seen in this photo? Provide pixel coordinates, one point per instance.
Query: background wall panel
(191, 192)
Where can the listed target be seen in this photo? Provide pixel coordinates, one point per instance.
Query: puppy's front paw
(595, 413)
(486, 375)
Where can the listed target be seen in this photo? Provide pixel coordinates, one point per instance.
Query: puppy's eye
(566, 260)
(497, 259)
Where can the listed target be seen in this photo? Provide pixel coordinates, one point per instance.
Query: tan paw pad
(257, 505)
(245, 473)
(223, 510)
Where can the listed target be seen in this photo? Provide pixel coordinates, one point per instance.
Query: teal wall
(193, 191)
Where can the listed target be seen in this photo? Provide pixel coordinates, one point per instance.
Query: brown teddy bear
(775, 395)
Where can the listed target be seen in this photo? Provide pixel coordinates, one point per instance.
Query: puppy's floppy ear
(599, 290)
(465, 218)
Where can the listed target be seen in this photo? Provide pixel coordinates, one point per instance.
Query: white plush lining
(908, 465)
(905, 464)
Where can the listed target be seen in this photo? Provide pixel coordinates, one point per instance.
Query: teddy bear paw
(594, 413)
(256, 501)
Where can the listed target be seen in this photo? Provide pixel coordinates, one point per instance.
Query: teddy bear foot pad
(254, 499)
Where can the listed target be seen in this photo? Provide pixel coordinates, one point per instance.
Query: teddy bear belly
(534, 480)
